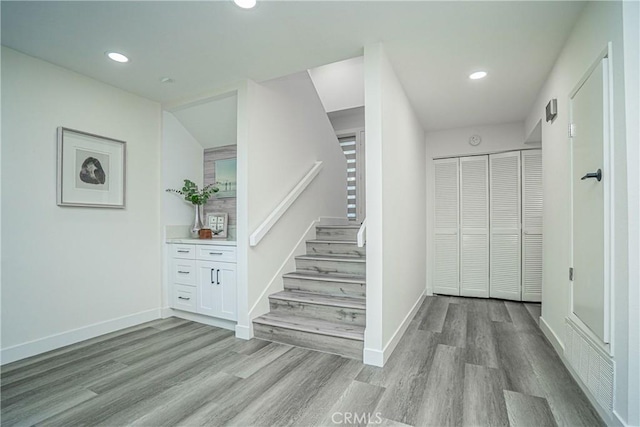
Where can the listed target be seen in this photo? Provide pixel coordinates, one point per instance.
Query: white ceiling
(212, 123)
(205, 45)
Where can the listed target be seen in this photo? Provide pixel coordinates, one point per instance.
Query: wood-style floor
(461, 362)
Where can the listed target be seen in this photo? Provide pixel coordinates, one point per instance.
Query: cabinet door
(217, 289)
(207, 275)
(226, 306)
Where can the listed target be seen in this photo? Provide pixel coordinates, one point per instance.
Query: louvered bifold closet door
(446, 268)
(532, 225)
(474, 226)
(505, 239)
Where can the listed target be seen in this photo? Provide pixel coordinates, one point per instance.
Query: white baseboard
(244, 332)
(551, 336)
(379, 358)
(373, 357)
(619, 421)
(395, 339)
(195, 317)
(52, 342)
(610, 419)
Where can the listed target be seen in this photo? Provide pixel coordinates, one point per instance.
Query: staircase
(323, 304)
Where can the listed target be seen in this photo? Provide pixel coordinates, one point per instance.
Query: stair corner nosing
(326, 303)
(326, 278)
(356, 259)
(353, 337)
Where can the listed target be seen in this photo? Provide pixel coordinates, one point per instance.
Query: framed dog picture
(218, 223)
(91, 170)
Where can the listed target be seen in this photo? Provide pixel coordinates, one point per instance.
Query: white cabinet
(217, 289)
(203, 279)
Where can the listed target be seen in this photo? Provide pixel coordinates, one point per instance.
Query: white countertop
(190, 241)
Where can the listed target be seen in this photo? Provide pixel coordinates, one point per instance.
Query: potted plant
(197, 198)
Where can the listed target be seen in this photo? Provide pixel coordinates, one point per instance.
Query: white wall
(340, 85)
(396, 201)
(283, 130)
(212, 122)
(70, 273)
(600, 23)
(182, 158)
(455, 142)
(631, 23)
(350, 119)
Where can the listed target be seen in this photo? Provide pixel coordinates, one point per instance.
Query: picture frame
(225, 177)
(218, 223)
(91, 170)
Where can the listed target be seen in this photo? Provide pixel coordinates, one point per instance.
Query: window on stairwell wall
(352, 145)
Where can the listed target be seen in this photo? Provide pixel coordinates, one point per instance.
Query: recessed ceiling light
(118, 57)
(245, 4)
(478, 75)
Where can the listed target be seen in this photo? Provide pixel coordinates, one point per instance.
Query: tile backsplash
(214, 204)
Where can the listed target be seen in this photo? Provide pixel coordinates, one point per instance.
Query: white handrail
(361, 233)
(274, 216)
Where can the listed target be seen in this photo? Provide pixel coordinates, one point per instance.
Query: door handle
(212, 282)
(597, 175)
(217, 277)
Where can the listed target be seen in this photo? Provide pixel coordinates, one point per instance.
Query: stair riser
(348, 316)
(342, 346)
(348, 249)
(325, 288)
(323, 233)
(331, 267)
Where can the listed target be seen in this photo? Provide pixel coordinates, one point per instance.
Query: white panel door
(589, 115)
(505, 240)
(446, 223)
(474, 226)
(217, 289)
(532, 225)
(206, 298)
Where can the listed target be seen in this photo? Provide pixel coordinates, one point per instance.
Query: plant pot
(197, 223)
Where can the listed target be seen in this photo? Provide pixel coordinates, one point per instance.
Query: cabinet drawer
(185, 298)
(184, 271)
(183, 251)
(217, 253)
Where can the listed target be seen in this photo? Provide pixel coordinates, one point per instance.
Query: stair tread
(340, 226)
(321, 299)
(345, 258)
(341, 242)
(316, 326)
(324, 277)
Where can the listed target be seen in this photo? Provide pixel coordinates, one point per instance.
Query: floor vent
(592, 364)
